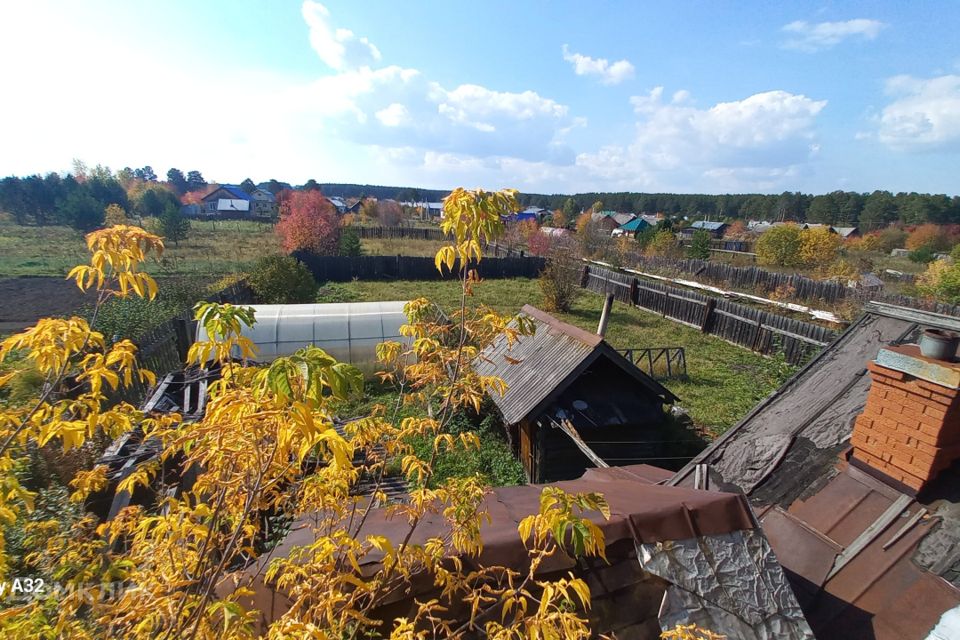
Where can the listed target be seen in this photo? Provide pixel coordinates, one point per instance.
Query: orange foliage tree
(309, 222)
(931, 236)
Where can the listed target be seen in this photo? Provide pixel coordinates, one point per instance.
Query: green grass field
(724, 381)
(211, 248)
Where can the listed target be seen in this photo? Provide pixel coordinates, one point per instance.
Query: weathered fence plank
(347, 268)
(754, 329)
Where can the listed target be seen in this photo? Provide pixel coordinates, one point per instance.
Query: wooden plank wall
(347, 268)
(755, 329)
(762, 282)
(412, 233)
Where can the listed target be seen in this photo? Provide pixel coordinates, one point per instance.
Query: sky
(542, 96)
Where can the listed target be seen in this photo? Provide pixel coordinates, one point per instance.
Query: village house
(715, 229)
(264, 203)
(611, 220)
(226, 200)
(631, 228)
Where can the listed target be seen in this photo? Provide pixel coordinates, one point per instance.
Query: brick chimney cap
(908, 359)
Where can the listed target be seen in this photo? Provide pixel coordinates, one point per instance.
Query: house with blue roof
(631, 228)
(715, 229)
(226, 199)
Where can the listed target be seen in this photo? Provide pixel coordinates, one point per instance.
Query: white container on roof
(349, 331)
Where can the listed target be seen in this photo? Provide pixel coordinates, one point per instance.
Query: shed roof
(787, 456)
(707, 225)
(549, 361)
(235, 191)
(846, 232)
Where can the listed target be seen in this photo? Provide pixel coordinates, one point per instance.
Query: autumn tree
(780, 246)
(928, 236)
(818, 246)
(389, 213)
(308, 222)
(664, 244)
(114, 215)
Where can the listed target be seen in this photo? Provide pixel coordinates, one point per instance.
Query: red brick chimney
(909, 430)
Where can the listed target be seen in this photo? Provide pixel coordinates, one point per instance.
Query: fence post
(634, 292)
(707, 315)
(181, 329)
(585, 277)
(399, 267)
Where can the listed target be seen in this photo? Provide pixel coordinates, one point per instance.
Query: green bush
(350, 242)
(282, 280)
(923, 255)
(133, 317)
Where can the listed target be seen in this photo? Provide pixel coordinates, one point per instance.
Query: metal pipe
(605, 315)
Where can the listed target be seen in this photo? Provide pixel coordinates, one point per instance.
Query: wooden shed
(573, 402)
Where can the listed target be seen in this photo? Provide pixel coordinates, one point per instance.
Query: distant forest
(78, 199)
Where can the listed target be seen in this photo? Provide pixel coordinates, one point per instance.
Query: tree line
(68, 199)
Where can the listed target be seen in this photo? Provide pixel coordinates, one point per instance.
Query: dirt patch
(25, 300)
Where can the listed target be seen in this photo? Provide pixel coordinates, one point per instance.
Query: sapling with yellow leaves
(268, 448)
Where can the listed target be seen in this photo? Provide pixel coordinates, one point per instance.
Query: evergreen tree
(173, 224)
(700, 245)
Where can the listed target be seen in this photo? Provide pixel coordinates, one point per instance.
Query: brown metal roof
(829, 521)
(641, 512)
(549, 360)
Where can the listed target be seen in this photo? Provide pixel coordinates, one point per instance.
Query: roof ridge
(575, 332)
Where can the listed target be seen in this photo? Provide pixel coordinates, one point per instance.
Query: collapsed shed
(674, 556)
(869, 534)
(573, 402)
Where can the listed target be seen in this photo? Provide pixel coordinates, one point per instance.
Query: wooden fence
(347, 268)
(411, 233)
(758, 330)
(164, 348)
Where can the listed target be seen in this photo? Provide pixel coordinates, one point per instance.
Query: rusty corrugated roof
(536, 367)
(864, 559)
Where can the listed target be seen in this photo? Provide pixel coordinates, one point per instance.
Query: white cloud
(609, 73)
(394, 115)
(811, 38)
(755, 142)
(338, 48)
(925, 114)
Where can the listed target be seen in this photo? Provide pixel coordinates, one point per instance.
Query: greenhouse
(349, 331)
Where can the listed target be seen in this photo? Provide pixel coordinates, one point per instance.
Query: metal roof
(707, 225)
(549, 360)
(863, 558)
(635, 225)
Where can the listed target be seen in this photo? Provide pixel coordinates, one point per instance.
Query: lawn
(211, 248)
(724, 381)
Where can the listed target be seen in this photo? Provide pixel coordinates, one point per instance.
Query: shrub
(923, 255)
(560, 279)
(350, 242)
(892, 238)
(114, 214)
(941, 280)
(819, 246)
(664, 244)
(780, 246)
(928, 236)
(282, 280)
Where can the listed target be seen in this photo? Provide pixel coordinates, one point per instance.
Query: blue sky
(543, 96)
